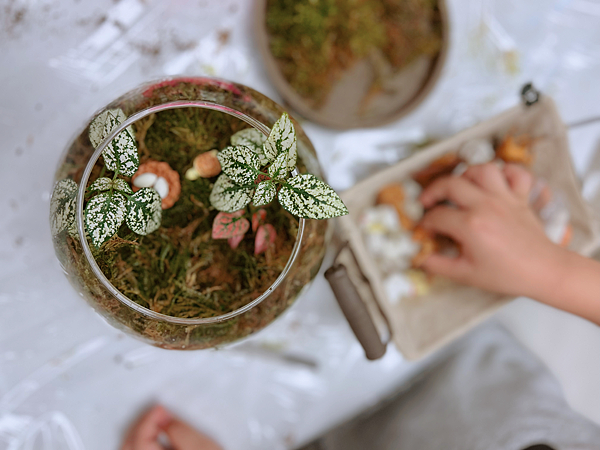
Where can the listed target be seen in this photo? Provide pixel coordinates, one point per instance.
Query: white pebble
(145, 180)
(412, 189)
(380, 219)
(413, 209)
(397, 286)
(460, 169)
(162, 187)
(477, 151)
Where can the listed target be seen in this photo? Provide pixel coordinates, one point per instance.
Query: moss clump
(179, 270)
(314, 41)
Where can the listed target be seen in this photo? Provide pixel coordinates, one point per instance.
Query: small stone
(162, 187)
(207, 164)
(145, 180)
(398, 286)
(192, 174)
(477, 151)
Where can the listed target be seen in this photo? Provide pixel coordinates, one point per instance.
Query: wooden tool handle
(355, 311)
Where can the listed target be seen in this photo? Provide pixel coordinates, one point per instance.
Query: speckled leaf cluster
(308, 197)
(62, 206)
(121, 155)
(304, 195)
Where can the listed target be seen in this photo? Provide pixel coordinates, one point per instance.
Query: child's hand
(503, 245)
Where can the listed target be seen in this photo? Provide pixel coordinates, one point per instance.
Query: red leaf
(258, 218)
(235, 241)
(228, 225)
(265, 237)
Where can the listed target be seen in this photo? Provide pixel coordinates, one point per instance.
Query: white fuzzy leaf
(239, 164)
(308, 197)
(121, 185)
(104, 215)
(62, 206)
(265, 193)
(101, 184)
(279, 169)
(253, 139)
(121, 155)
(282, 139)
(144, 211)
(229, 197)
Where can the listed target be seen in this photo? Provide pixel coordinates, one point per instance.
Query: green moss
(314, 41)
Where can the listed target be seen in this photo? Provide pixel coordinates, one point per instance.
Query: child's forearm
(572, 284)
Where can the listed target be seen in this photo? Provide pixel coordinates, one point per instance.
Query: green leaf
(279, 169)
(230, 197)
(104, 215)
(265, 193)
(253, 139)
(282, 139)
(121, 155)
(105, 184)
(239, 163)
(122, 186)
(62, 206)
(308, 197)
(144, 211)
(101, 184)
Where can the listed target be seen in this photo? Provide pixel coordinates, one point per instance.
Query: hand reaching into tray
(503, 247)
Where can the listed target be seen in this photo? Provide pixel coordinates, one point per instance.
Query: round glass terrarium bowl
(167, 331)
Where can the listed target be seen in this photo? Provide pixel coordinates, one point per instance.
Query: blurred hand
(144, 434)
(503, 244)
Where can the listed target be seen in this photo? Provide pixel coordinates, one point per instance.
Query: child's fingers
(184, 437)
(455, 268)
(446, 221)
(519, 179)
(458, 190)
(488, 177)
(144, 434)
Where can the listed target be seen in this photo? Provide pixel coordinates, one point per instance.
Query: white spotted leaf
(308, 197)
(229, 197)
(265, 193)
(253, 139)
(62, 206)
(121, 155)
(279, 169)
(144, 211)
(122, 186)
(282, 139)
(101, 184)
(103, 216)
(239, 163)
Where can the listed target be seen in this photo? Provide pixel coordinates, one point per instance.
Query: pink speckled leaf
(228, 225)
(258, 218)
(265, 237)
